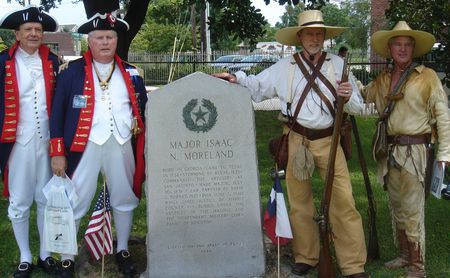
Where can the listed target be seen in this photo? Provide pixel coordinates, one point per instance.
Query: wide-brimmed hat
(380, 39)
(307, 19)
(107, 21)
(31, 13)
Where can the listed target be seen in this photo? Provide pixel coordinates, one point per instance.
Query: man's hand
(59, 165)
(226, 76)
(345, 90)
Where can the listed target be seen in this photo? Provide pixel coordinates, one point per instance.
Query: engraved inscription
(203, 195)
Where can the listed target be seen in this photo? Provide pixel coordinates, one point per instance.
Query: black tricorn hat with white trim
(31, 13)
(107, 21)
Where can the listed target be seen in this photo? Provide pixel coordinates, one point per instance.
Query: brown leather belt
(312, 134)
(409, 139)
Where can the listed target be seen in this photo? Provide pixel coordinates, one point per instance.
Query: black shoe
(66, 269)
(48, 265)
(125, 264)
(23, 270)
(301, 268)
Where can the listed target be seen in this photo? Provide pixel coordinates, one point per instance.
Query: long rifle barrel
(326, 268)
(373, 252)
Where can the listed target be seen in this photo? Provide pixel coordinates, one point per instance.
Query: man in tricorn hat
(97, 126)
(310, 139)
(27, 75)
(416, 116)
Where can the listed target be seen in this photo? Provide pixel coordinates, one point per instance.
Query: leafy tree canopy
(352, 13)
(8, 37)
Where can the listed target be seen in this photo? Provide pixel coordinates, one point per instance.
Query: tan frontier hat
(307, 19)
(380, 39)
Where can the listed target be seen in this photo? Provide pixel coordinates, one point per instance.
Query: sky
(69, 13)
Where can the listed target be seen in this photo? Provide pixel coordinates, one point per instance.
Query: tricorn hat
(380, 39)
(307, 19)
(31, 13)
(106, 21)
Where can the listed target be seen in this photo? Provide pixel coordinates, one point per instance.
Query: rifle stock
(373, 252)
(325, 266)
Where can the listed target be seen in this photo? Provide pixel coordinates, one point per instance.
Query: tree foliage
(427, 15)
(46, 4)
(357, 18)
(2, 45)
(352, 13)
(166, 20)
(8, 37)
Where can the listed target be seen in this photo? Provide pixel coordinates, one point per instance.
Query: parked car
(252, 61)
(227, 60)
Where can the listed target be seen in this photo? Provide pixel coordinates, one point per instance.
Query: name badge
(132, 72)
(79, 101)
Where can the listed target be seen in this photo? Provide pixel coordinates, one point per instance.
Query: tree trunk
(203, 30)
(193, 27)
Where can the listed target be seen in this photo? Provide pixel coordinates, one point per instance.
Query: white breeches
(29, 171)
(116, 162)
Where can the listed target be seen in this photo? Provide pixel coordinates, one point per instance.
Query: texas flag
(276, 220)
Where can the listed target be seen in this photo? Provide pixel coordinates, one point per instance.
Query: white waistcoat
(112, 112)
(33, 114)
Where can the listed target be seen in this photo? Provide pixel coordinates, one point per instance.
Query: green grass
(267, 127)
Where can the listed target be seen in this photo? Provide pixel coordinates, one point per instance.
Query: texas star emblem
(199, 117)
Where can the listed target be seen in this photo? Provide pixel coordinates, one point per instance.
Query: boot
(402, 259)
(416, 266)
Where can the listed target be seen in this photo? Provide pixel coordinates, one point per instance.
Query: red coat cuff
(57, 147)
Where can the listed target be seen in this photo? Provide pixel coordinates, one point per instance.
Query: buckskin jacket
(70, 126)
(9, 99)
(423, 109)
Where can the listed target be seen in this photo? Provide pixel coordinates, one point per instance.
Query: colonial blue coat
(70, 125)
(9, 100)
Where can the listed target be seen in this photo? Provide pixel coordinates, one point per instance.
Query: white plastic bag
(59, 225)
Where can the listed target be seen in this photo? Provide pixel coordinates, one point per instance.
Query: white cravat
(32, 62)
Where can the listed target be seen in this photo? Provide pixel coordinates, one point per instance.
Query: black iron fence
(162, 68)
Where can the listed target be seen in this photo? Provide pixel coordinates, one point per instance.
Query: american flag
(276, 220)
(98, 236)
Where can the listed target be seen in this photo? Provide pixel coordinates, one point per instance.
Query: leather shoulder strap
(319, 74)
(390, 106)
(311, 79)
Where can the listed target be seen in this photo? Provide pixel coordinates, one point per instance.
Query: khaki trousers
(407, 199)
(346, 224)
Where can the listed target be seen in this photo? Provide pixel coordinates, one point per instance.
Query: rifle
(325, 266)
(373, 252)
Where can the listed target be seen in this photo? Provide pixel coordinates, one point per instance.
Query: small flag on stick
(98, 236)
(276, 220)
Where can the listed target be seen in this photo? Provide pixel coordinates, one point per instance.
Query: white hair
(90, 34)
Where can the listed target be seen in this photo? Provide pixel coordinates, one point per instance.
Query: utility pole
(208, 34)
(205, 33)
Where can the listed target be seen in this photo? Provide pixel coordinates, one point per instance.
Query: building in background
(64, 42)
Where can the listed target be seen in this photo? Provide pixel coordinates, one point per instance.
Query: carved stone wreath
(193, 125)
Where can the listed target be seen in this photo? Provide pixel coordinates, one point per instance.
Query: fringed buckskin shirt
(423, 109)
